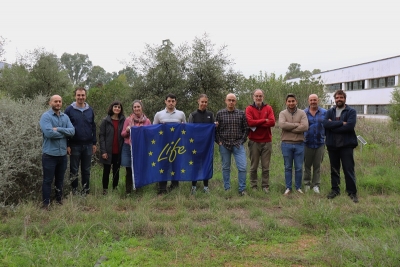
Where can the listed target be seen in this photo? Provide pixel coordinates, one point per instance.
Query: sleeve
(217, 130)
(190, 120)
(156, 119)
(124, 133)
(303, 126)
(350, 120)
(283, 124)
(102, 137)
(47, 128)
(331, 124)
(94, 140)
(245, 128)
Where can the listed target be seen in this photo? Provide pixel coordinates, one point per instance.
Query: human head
(80, 96)
(170, 102)
(55, 103)
(137, 107)
(340, 98)
(115, 108)
(202, 101)
(291, 101)
(230, 101)
(313, 101)
(258, 97)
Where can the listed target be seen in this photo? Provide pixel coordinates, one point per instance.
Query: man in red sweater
(260, 118)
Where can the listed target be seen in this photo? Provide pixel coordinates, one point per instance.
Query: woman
(111, 143)
(137, 118)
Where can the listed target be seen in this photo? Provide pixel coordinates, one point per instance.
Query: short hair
(137, 101)
(110, 108)
(339, 92)
(202, 95)
(80, 89)
(290, 95)
(170, 96)
(258, 89)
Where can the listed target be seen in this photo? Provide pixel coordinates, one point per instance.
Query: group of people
(303, 138)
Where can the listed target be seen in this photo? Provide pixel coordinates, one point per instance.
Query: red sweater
(256, 117)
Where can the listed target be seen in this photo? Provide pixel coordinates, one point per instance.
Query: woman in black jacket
(111, 143)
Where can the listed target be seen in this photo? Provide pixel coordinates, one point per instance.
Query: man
(56, 127)
(293, 122)
(260, 118)
(82, 146)
(314, 144)
(230, 135)
(201, 115)
(169, 115)
(341, 140)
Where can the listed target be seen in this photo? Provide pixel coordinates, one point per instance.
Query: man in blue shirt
(314, 140)
(56, 127)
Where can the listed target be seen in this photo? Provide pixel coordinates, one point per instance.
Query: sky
(260, 35)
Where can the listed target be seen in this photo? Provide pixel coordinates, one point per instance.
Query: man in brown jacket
(294, 123)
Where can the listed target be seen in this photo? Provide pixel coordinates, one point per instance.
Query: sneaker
(307, 188)
(266, 190)
(242, 193)
(206, 190)
(254, 188)
(193, 190)
(287, 192)
(354, 198)
(316, 189)
(300, 191)
(333, 194)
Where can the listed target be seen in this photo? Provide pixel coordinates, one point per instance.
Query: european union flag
(172, 152)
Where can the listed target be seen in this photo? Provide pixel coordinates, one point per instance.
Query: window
(358, 108)
(382, 82)
(356, 85)
(378, 109)
(333, 87)
(390, 81)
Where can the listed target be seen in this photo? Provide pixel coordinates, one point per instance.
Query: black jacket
(106, 137)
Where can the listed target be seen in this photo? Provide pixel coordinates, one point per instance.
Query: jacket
(106, 138)
(256, 119)
(85, 127)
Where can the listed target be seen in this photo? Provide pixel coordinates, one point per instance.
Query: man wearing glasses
(230, 135)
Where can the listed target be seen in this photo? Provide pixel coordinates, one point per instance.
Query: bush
(20, 146)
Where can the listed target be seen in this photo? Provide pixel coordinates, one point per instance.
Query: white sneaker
(306, 188)
(316, 189)
(287, 192)
(300, 191)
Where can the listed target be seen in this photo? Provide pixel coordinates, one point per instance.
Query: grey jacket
(106, 137)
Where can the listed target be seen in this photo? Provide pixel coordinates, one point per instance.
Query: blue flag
(172, 152)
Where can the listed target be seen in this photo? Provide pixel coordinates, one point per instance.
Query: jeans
(241, 163)
(313, 158)
(293, 153)
(53, 167)
(344, 155)
(80, 154)
(259, 151)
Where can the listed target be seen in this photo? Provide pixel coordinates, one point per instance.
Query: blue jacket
(315, 136)
(338, 134)
(55, 142)
(85, 127)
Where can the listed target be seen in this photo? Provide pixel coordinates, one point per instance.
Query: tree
(2, 51)
(394, 108)
(77, 66)
(294, 71)
(97, 77)
(129, 73)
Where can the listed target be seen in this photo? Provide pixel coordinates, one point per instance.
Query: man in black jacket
(341, 140)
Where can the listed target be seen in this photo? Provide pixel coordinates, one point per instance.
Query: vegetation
(394, 110)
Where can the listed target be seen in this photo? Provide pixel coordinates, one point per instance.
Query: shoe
(162, 192)
(316, 189)
(193, 190)
(354, 198)
(306, 188)
(59, 202)
(300, 191)
(242, 193)
(228, 189)
(254, 188)
(206, 190)
(172, 187)
(45, 207)
(104, 192)
(75, 191)
(287, 192)
(333, 194)
(266, 190)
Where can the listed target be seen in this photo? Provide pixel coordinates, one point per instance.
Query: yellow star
(183, 171)
(183, 132)
(190, 162)
(153, 142)
(160, 132)
(191, 140)
(172, 173)
(194, 151)
(161, 171)
(150, 153)
(172, 129)
(153, 164)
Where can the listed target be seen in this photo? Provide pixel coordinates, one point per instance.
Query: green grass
(222, 228)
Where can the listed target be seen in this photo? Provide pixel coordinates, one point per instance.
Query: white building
(368, 86)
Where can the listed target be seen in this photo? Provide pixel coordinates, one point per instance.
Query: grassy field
(220, 229)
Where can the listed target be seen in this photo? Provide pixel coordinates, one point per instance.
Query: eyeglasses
(258, 95)
(231, 100)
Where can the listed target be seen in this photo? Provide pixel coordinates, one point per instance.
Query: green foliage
(77, 66)
(2, 51)
(394, 109)
(97, 77)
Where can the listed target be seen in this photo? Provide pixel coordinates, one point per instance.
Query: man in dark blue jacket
(82, 145)
(341, 140)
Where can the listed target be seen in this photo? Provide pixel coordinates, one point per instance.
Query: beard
(340, 104)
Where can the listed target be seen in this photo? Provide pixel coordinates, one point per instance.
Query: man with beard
(341, 140)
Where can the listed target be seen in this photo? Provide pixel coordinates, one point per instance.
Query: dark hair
(290, 95)
(79, 89)
(339, 92)
(110, 109)
(170, 96)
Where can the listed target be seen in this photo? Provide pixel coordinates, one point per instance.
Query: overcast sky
(261, 35)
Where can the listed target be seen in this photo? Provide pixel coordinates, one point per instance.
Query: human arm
(126, 129)
(102, 137)
(245, 128)
(348, 122)
(156, 119)
(284, 124)
(47, 128)
(303, 125)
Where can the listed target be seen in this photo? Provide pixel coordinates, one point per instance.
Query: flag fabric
(172, 152)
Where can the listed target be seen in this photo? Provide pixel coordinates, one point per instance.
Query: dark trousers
(80, 154)
(54, 167)
(115, 170)
(205, 182)
(162, 186)
(128, 181)
(345, 156)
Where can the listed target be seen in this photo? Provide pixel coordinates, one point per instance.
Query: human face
(291, 102)
(230, 101)
(340, 101)
(116, 109)
(203, 102)
(313, 101)
(80, 97)
(56, 103)
(137, 109)
(170, 104)
(258, 97)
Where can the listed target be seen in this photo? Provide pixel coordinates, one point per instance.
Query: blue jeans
(80, 154)
(241, 163)
(54, 167)
(293, 153)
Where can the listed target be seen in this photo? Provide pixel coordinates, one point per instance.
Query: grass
(222, 228)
